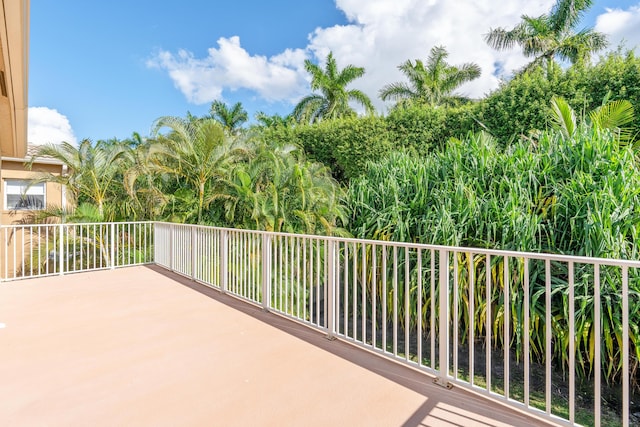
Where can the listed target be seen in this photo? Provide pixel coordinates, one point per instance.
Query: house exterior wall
(12, 240)
(15, 169)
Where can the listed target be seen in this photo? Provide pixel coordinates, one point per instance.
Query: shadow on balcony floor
(144, 346)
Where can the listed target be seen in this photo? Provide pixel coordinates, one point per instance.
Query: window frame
(27, 186)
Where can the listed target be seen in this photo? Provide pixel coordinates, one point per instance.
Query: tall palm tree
(230, 118)
(333, 99)
(552, 35)
(196, 152)
(433, 83)
(92, 170)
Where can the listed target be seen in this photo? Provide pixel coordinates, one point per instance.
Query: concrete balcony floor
(144, 347)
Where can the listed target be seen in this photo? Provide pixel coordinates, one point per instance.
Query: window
(20, 195)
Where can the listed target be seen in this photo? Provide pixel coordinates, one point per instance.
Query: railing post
(113, 245)
(443, 332)
(154, 232)
(60, 249)
(331, 289)
(224, 260)
(194, 252)
(266, 271)
(171, 248)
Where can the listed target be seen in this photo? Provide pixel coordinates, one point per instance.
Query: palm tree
(277, 190)
(333, 99)
(274, 120)
(552, 35)
(196, 152)
(92, 170)
(432, 84)
(232, 118)
(143, 186)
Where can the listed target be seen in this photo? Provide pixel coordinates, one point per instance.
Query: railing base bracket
(330, 337)
(443, 383)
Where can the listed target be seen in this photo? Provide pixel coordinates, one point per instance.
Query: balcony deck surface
(144, 347)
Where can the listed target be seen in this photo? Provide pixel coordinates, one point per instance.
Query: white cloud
(622, 26)
(231, 67)
(380, 35)
(46, 125)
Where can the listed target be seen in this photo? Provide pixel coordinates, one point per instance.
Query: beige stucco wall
(13, 241)
(12, 169)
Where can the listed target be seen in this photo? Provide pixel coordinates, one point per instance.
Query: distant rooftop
(32, 150)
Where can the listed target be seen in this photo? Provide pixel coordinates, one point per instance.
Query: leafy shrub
(578, 196)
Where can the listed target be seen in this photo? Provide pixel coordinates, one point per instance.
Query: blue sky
(100, 70)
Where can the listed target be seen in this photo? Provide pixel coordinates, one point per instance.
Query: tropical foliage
(231, 118)
(91, 171)
(334, 97)
(278, 190)
(197, 154)
(552, 35)
(576, 195)
(432, 83)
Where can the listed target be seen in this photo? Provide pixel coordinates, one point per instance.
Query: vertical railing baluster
(354, 293)
(194, 252)
(266, 271)
(61, 249)
(331, 289)
(407, 300)
(345, 297)
(572, 346)
(455, 315)
(172, 247)
(374, 295)
(471, 312)
(505, 343)
(31, 246)
(395, 300)
(113, 246)
(384, 298)
(363, 296)
(224, 260)
(488, 322)
(526, 331)
(318, 241)
(432, 326)
(22, 255)
(597, 321)
(443, 316)
(625, 346)
(419, 309)
(547, 279)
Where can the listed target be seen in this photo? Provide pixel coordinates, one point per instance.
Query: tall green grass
(577, 196)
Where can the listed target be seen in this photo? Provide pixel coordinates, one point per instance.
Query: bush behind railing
(577, 196)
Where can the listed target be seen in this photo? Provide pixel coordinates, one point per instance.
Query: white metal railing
(568, 323)
(426, 306)
(49, 249)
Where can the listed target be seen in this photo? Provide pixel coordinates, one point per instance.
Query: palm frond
(616, 116)
(563, 117)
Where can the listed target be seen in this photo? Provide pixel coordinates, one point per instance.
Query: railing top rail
(472, 250)
(13, 226)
